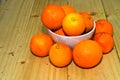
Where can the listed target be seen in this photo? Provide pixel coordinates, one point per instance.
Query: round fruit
(73, 24)
(105, 40)
(88, 19)
(52, 16)
(40, 44)
(68, 9)
(60, 32)
(104, 26)
(60, 55)
(87, 53)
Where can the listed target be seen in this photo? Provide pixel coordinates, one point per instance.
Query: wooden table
(19, 21)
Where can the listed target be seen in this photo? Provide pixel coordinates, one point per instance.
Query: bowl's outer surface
(72, 40)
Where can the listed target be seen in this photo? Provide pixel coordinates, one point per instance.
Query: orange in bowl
(72, 40)
(73, 24)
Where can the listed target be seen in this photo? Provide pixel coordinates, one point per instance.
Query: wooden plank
(108, 69)
(112, 11)
(20, 20)
(13, 21)
(90, 6)
(2, 4)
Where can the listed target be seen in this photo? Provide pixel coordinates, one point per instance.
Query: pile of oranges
(65, 21)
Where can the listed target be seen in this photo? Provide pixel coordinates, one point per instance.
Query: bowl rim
(82, 35)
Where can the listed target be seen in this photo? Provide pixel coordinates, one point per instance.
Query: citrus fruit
(104, 26)
(40, 44)
(88, 19)
(52, 16)
(60, 32)
(87, 53)
(105, 40)
(60, 55)
(73, 24)
(68, 9)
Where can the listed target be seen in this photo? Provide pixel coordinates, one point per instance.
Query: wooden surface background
(19, 21)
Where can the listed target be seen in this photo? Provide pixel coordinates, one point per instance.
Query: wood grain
(20, 20)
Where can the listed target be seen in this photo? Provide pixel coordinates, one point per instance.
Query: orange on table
(88, 19)
(40, 44)
(105, 40)
(68, 9)
(73, 24)
(60, 55)
(60, 32)
(52, 16)
(87, 54)
(103, 25)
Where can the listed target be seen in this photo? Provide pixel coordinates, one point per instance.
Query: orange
(105, 40)
(104, 26)
(87, 53)
(88, 19)
(52, 16)
(60, 32)
(68, 9)
(60, 55)
(40, 44)
(73, 24)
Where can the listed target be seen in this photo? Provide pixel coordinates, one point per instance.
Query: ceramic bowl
(71, 40)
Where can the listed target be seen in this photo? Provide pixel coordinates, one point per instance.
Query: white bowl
(72, 40)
